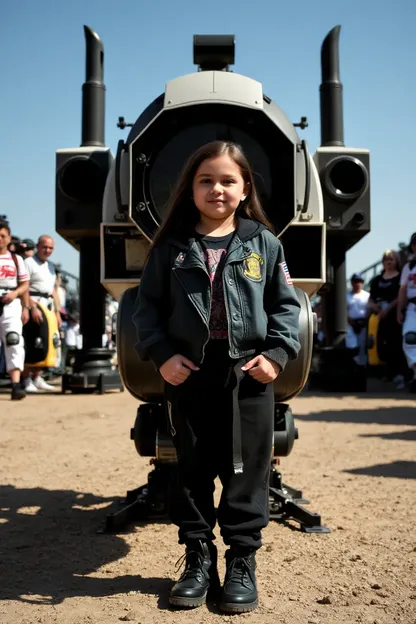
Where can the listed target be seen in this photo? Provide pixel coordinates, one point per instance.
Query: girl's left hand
(262, 369)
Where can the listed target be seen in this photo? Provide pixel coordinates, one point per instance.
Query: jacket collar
(190, 253)
(247, 228)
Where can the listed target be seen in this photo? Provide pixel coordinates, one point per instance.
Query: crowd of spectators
(381, 331)
(65, 301)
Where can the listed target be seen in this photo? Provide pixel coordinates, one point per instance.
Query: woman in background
(384, 289)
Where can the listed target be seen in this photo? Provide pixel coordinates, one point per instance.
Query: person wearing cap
(27, 248)
(406, 309)
(357, 311)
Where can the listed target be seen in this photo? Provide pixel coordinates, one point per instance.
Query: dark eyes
(209, 181)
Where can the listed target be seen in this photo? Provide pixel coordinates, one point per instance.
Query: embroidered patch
(286, 273)
(252, 267)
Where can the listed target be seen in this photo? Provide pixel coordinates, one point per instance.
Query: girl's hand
(262, 369)
(177, 369)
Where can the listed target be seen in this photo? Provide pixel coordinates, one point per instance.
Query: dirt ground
(65, 461)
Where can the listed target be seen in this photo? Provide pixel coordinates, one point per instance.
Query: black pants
(201, 416)
(389, 346)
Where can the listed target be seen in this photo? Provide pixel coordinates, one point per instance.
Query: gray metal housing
(208, 102)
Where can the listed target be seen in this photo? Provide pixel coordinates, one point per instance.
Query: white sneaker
(30, 386)
(41, 384)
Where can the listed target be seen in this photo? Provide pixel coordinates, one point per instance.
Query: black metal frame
(150, 502)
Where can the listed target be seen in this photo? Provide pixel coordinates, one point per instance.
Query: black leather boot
(18, 392)
(200, 575)
(239, 594)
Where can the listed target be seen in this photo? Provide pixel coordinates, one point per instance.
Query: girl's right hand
(177, 369)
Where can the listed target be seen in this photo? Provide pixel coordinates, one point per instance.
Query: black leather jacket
(174, 300)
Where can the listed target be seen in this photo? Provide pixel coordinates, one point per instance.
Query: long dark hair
(182, 214)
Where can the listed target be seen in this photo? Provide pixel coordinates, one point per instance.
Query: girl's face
(218, 187)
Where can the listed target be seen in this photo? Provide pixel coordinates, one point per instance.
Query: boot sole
(179, 601)
(189, 603)
(233, 607)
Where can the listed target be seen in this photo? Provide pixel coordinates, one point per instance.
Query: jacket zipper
(197, 309)
(227, 309)
(247, 251)
(202, 266)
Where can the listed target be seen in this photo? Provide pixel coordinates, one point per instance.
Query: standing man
(43, 289)
(14, 282)
(357, 310)
(406, 309)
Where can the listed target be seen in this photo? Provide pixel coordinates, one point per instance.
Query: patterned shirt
(215, 249)
(9, 275)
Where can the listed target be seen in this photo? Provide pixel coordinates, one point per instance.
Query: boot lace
(238, 570)
(193, 564)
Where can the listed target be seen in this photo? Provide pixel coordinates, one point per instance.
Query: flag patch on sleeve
(286, 273)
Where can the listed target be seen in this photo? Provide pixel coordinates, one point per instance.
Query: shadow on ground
(395, 470)
(398, 415)
(408, 435)
(50, 544)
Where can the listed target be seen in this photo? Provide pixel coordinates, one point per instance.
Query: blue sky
(148, 43)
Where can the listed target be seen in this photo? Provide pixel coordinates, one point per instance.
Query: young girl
(218, 316)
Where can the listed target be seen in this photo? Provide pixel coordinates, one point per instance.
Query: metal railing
(375, 269)
(370, 272)
(71, 283)
(71, 280)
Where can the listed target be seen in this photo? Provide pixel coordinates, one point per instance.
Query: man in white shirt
(406, 309)
(73, 338)
(14, 283)
(357, 311)
(42, 289)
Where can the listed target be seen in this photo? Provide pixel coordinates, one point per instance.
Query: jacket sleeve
(151, 309)
(282, 307)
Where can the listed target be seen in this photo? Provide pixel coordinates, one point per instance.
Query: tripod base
(285, 504)
(93, 371)
(147, 502)
(150, 502)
